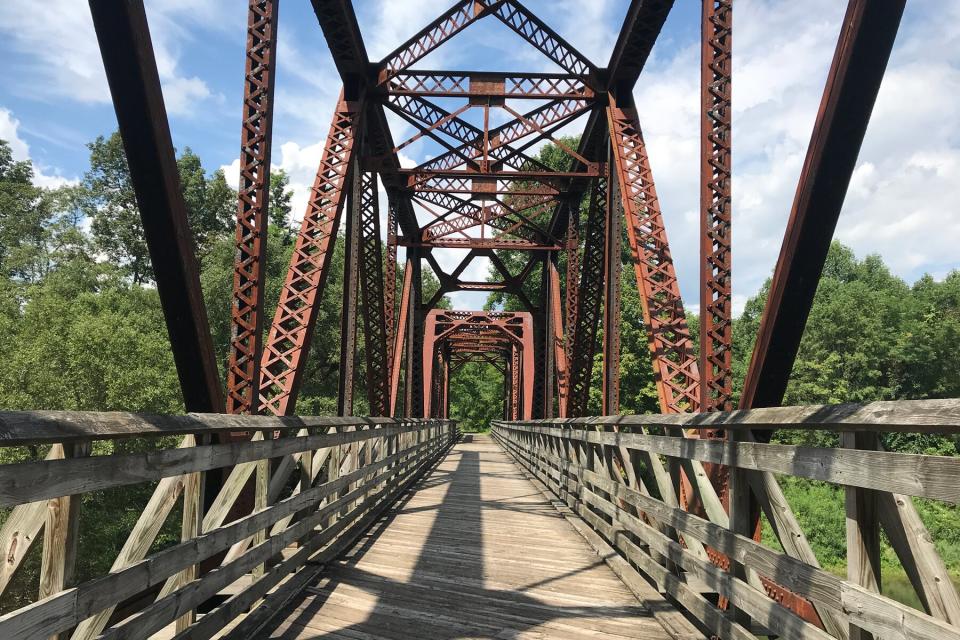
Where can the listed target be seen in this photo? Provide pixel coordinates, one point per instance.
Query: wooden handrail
(573, 459)
(911, 416)
(351, 470)
(19, 428)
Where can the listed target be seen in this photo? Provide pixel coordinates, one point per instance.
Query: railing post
(190, 526)
(261, 500)
(863, 528)
(60, 534)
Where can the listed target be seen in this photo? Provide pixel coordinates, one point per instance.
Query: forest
(84, 330)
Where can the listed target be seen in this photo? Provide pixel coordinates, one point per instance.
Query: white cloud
(905, 182)
(9, 131)
(64, 60)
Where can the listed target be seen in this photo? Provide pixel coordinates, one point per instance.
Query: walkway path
(475, 551)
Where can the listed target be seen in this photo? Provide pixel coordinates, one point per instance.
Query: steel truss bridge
(558, 524)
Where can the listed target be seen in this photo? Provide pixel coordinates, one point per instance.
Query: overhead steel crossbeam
(485, 84)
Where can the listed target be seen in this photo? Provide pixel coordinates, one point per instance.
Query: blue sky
(902, 200)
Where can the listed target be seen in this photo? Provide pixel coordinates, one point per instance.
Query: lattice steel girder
(716, 328)
(675, 365)
(513, 14)
(481, 332)
(246, 335)
(554, 113)
(454, 20)
(506, 244)
(289, 338)
(373, 308)
(589, 299)
(390, 280)
(452, 84)
(497, 215)
(131, 70)
(570, 303)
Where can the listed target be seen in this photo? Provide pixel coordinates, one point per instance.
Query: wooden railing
(350, 471)
(619, 476)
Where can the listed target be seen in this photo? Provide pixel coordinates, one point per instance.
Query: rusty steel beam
(351, 285)
(716, 310)
(249, 275)
(570, 303)
(535, 31)
(400, 338)
(867, 36)
(610, 390)
(128, 59)
(373, 305)
(390, 280)
(557, 340)
(675, 364)
(641, 27)
(288, 342)
(486, 84)
(589, 300)
(447, 25)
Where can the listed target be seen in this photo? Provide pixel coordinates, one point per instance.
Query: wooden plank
(157, 615)
(65, 610)
(475, 532)
(19, 531)
(934, 477)
(190, 529)
(911, 416)
(919, 556)
(863, 531)
(826, 590)
(61, 536)
(51, 427)
(53, 478)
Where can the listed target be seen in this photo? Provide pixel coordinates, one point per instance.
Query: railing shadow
(450, 590)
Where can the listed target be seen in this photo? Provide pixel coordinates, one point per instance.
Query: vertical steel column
(571, 302)
(610, 403)
(716, 336)
(127, 51)
(348, 321)
(373, 309)
(589, 299)
(249, 272)
(515, 383)
(285, 353)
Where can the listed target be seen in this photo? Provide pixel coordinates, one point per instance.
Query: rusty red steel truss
(484, 193)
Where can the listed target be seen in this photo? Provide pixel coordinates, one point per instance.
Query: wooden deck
(475, 551)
